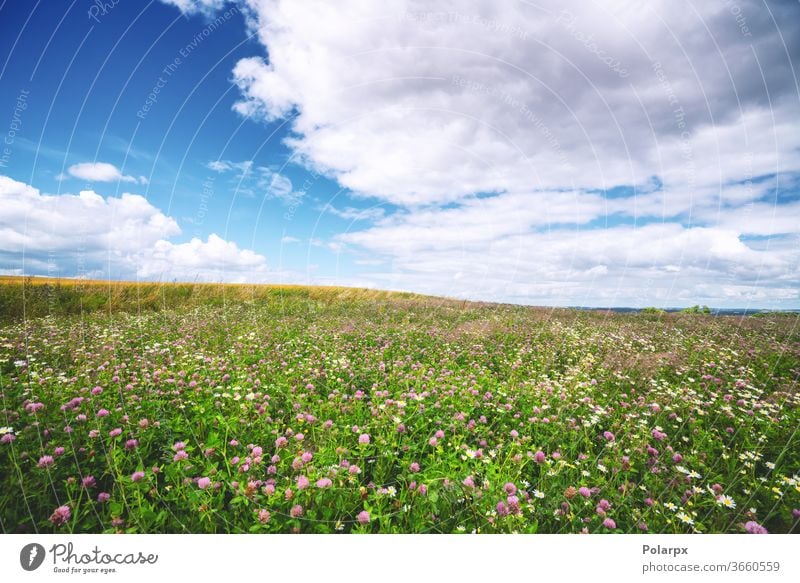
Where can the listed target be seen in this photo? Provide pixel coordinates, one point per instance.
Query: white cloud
(355, 214)
(279, 186)
(197, 6)
(418, 104)
(368, 262)
(512, 254)
(288, 240)
(493, 129)
(221, 166)
(256, 181)
(760, 218)
(121, 237)
(267, 92)
(333, 246)
(34, 222)
(99, 172)
(478, 221)
(212, 260)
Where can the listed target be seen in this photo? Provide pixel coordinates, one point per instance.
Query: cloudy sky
(613, 153)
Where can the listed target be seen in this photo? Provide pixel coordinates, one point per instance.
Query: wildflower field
(332, 410)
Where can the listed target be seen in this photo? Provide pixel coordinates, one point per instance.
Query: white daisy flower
(726, 501)
(685, 518)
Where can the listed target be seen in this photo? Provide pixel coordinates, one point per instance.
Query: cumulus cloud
(34, 222)
(418, 104)
(100, 172)
(554, 151)
(120, 237)
(212, 260)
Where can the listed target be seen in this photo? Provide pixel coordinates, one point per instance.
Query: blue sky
(553, 155)
(88, 78)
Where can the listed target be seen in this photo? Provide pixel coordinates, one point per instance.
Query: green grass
(662, 417)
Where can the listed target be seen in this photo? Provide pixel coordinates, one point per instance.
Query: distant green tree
(697, 310)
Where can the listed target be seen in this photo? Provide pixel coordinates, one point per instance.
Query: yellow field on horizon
(322, 289)
(31, 296)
